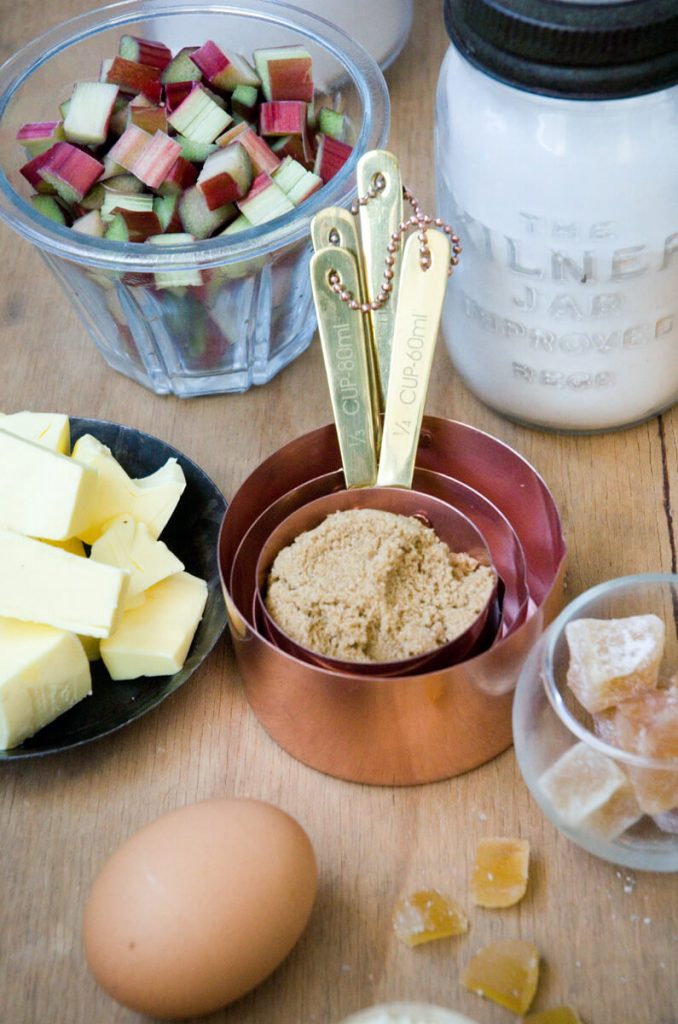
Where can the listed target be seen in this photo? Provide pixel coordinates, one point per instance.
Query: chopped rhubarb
(180, 176)
(240, 223)
(49, 207)
(244, 102)
(181, 68)
(282, 117)
(196, 216)
(304, 188)
(260, 153)
(115, 201)
(89, 112)
(147, 116)
(90, 224)
(156, 159)
(195, 152)
(176, 93)
(224, 70)
(264, 201)
(31, 171)
(145, 51)
(232, 133)
(133, 225)
(286, 73)
(332, 123)
(293, 145)
(167, 210)
(226, 176)
(288, 174)
(129, 147)
(133, 77)
(330, 157)
(175, 278)
(39, 136)
(199, 118)
(70, 171)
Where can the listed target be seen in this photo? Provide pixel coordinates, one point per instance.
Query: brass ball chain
(419, 220)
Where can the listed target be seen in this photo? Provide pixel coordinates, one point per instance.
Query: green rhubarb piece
(117, 230)
(199, 118)
(240, 223)
(142, 203)
(175, 278)
(196, 216)
(288, 174)
(270, 202)
(245, 96)
(164, 207)
(63, 109)
(48, 207)
(94, 199)
(301, 190)
(195, 152)
(181, 68)
(332, 123)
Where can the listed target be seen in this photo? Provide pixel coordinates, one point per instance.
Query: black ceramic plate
(192, 535)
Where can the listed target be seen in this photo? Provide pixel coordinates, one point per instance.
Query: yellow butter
(51, 429)
(41, 583)
(150, 500)
(130, 545)
(43, 672)
(153, 640)
(43, 493)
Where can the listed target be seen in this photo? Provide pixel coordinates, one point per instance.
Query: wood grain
(608, 940)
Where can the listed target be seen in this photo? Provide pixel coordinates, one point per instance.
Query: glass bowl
(247, 311)
(585, 785)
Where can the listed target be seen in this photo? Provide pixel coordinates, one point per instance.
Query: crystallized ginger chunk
(427, 915)
(499, 876)
(590, 792)
(506, 972)
(558, 1015)
(613, 659)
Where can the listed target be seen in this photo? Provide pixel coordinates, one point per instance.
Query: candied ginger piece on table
(613, 659)
(648, 725)
(427, 915)
(506, 972)
(590, 791)
(558, 1015)
(499, 876)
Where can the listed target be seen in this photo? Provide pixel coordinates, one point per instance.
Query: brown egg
(199, 907)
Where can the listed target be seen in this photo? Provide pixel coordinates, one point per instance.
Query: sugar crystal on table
(648, 725)
(590, 791)
(613, 659)
(499, 876)
(506, 972)
(427, 915)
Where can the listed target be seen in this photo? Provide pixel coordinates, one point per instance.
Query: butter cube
(150, 500)
(153, 640)
(42, 493)
(41, 583)
(130, 545)
(50, 429)
(43, 672)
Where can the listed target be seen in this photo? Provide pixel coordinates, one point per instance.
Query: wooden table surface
(608, 937)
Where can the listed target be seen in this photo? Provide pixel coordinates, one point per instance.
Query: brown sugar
(368, 585)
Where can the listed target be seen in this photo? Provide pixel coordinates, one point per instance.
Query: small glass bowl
(548, 720)
(239, 307)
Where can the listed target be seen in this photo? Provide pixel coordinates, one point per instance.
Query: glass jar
(557, 162)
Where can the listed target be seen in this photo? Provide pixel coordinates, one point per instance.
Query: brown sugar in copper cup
(412, 729)
(449, 524)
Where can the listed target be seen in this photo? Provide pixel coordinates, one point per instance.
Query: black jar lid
(589, 49)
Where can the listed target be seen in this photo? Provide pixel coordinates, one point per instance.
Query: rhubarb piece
(558, 1015)
(145, 51)
(112, 169)
(240, 223)
(181, 175)
(181, 68)
(139, 202)
(506, 972)
(304, 188)
(156, 159)
(244, 101)
(89, 112)
(166, 209)
(286, 73)
(91, 223)
(70, 171)
(232, 134)
(133, 77)
(648, 725)
(133, 225)
(288, 174)
(260, 153)
(199, 118)
(176, 93)
(39, 136)
(282, 117)
(94, 199)
(293, 146)
(48, 207)
(195, 152)
(226, 176)
(428, 915)
(499, 876)
(589, 792)
(31, 171)
(613, 659)
(175, 278)
(129, 147)
(264, 201)
(126, 183)
(224, 70)
(146, 116)
(332, 123)
(196, 216)
(330, 156)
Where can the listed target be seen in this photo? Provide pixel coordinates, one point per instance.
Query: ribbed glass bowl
(548, 721)
(251, 314)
